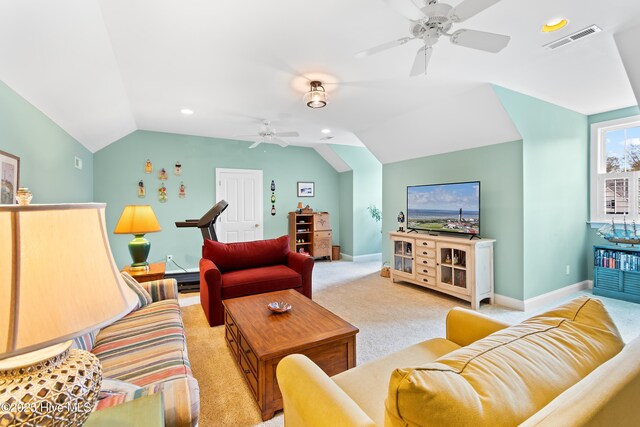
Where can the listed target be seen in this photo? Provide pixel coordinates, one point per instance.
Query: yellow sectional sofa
(566, 367)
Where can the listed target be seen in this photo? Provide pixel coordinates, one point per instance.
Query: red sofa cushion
(243, 255)
(258, 280)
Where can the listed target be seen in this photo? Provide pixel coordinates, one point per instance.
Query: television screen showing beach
(454, 208)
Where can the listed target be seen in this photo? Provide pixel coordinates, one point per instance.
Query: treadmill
(207, 222)
(190, 282)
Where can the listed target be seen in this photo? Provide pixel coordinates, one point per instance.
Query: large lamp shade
(58, 279)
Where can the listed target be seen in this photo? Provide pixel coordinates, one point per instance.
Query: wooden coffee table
(259, 339)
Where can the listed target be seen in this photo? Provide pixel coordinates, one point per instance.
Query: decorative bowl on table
(279, 306)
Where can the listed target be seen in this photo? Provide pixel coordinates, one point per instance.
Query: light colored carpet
(390, 317)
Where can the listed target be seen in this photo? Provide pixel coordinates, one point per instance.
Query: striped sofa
(147, 351)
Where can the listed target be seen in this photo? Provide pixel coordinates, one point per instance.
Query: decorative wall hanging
(273, 185)
(9, 176)
(181, 192)
(141, 191)
(273, 197)
(177, 169)
(162, 175)
(162, 193)
(306, 189)
(148, 167)
(273, 210)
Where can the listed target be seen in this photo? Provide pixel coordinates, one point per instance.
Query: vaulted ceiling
(104, 68)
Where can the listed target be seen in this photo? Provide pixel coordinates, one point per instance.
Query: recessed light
(326, 131)
(186, 111)
(554, 25)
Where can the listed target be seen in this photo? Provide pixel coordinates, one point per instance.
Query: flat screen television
(450, 208)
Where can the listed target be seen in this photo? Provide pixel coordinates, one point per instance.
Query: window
(615, 170)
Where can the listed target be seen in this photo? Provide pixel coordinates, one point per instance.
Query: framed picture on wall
(306, 189)
(9, 175)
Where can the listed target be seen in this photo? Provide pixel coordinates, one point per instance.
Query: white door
(242, 189)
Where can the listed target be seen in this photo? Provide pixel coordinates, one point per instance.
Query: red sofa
(231, 270)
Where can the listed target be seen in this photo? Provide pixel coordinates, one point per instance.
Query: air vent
(578, 35)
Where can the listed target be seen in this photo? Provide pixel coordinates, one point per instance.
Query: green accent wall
(555, 186)
(366, 190)
(47, 153)
(592, 235)
(119, 166)
(499, 170)
(346, 213)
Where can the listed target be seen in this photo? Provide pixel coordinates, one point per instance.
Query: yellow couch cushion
(367, 385)
(506, 377)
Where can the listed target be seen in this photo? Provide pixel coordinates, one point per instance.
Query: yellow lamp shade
(58, 279)
(137, 219)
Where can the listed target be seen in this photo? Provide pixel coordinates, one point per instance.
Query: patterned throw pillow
(143, 295)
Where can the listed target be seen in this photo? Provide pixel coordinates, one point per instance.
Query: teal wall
(367, 190)
(499, 170)
(613, 115)
(346, 213)
(592, 236)
(555, 176)
(46, 152)
(119, 167)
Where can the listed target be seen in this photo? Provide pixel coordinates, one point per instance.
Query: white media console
(453, 265)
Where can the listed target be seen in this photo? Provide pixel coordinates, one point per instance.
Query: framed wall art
(9, 176)
(306, 189)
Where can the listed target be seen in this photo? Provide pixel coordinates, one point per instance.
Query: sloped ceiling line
(627, 43)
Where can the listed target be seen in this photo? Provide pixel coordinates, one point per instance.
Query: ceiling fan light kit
(433, 20)
(317, 96)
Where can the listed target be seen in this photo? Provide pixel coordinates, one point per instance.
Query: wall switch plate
(78, 163)
(568, 269)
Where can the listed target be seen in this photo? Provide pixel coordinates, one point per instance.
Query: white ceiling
(104, 68)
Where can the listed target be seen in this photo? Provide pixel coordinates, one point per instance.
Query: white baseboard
(508, 302)
(549, 297)
(176, 271)
(544, 299)
(362, 258)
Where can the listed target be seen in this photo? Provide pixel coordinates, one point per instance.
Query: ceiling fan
(269, 135)
(432, 20)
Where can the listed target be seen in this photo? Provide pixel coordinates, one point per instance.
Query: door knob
(257, 225)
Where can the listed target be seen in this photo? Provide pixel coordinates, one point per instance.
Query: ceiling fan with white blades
(269, 135)
(430, 20)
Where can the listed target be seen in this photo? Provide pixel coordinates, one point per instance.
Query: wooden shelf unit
(616, 272)
(453, 265)
(312, 232)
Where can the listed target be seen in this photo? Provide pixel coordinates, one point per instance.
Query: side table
(146, 411)
(154, 272)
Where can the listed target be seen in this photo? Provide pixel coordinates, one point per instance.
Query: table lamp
(299, 207)
(58, 280)
(138, 220)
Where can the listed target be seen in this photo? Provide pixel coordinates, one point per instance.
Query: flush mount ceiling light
(326, 131)
(316, 97)
(554, 25)
(186, 111)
